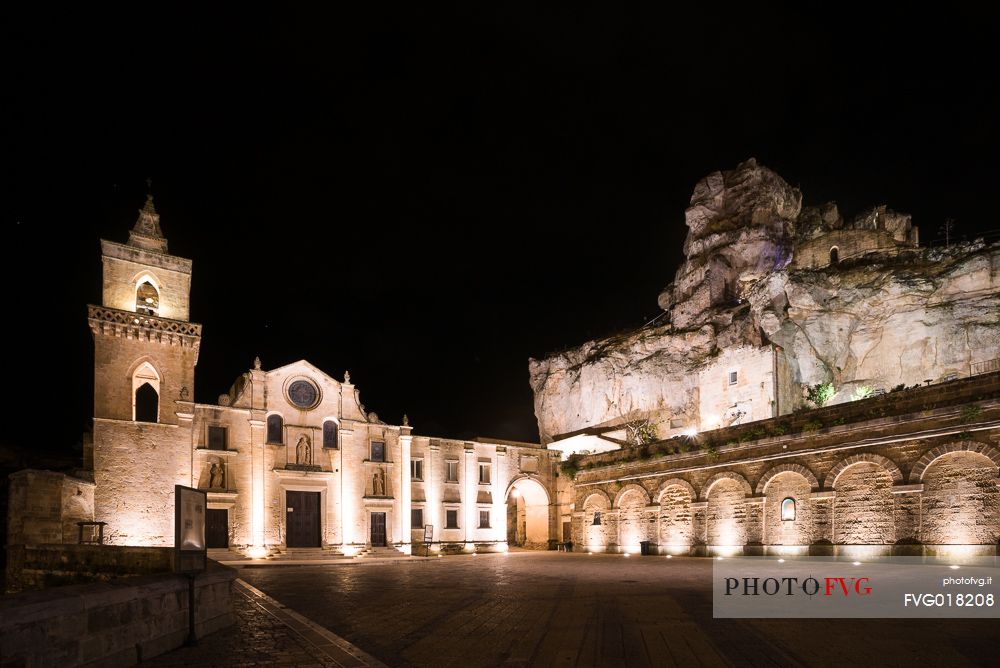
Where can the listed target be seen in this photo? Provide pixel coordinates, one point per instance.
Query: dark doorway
(302, 519)
(217, 527)
(378, 529)
(147, 404)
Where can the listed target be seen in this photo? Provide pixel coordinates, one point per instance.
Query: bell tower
(145, 347)
(145, 351)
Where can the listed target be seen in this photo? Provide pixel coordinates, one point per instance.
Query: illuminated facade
(814, 384)
(289, 457)
(910, 473)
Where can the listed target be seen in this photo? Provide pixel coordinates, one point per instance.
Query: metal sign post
(190, 551)
(428, 537)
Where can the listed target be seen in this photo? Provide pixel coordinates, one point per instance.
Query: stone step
(381, 553)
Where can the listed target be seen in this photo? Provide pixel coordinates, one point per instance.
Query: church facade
(289, 457)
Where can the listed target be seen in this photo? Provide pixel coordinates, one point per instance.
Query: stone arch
(830, 481)
(726, 512)
(600, 495)
(786, 468)
(596, 526)
(675, 482)
(631, 488)
(524, 481)
(528, 512)
(146, 382)
(634, 519)
(146, 276)
(918, 470)
(143, 360)
(960, 502)
(864, 508)
(725, 475)
(675, 527)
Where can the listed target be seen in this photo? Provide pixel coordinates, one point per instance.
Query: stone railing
(111, 318)
(987, 366)
(116, 322)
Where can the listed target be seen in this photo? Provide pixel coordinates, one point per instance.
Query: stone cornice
(129, 325)
(608, 474)
(145, 256)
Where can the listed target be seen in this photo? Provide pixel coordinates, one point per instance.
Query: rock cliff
(857, 303)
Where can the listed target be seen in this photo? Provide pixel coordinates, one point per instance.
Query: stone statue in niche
(303, 451)
(217, 477)
(378, 483)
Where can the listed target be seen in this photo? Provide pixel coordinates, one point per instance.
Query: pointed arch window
(146, 394)
(275, 429)
(788, 510)
(147, 298)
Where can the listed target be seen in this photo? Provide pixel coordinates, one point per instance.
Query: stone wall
(124, 266)
(44, 507)
(136, 466)
(850, 244)
(118, 623)
(906, 483)
(43, 566)
(117, 356)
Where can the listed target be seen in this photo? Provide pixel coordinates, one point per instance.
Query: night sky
(429, 197)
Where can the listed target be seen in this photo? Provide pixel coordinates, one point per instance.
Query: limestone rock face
(740, 227)
(857, 304)
(918, 316)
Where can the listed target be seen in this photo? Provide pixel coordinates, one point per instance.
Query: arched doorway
(527, 515)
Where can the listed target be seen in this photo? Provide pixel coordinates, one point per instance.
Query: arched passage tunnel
(527, 515)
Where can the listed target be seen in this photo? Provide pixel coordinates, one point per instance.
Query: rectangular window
(452, 473)
(732, 377)
(417, 518)
(329, 434)
(217, 438)
(484, 474)
(417, 469)
(484, 519)
(451, 519)
(378, 451)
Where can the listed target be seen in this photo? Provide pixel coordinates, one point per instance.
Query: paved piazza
(549, 608)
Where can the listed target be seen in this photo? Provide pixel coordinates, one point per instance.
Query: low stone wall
(117, 623)
(43, 566)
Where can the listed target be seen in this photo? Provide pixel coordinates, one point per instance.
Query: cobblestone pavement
(266, 634)
(546, 609)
